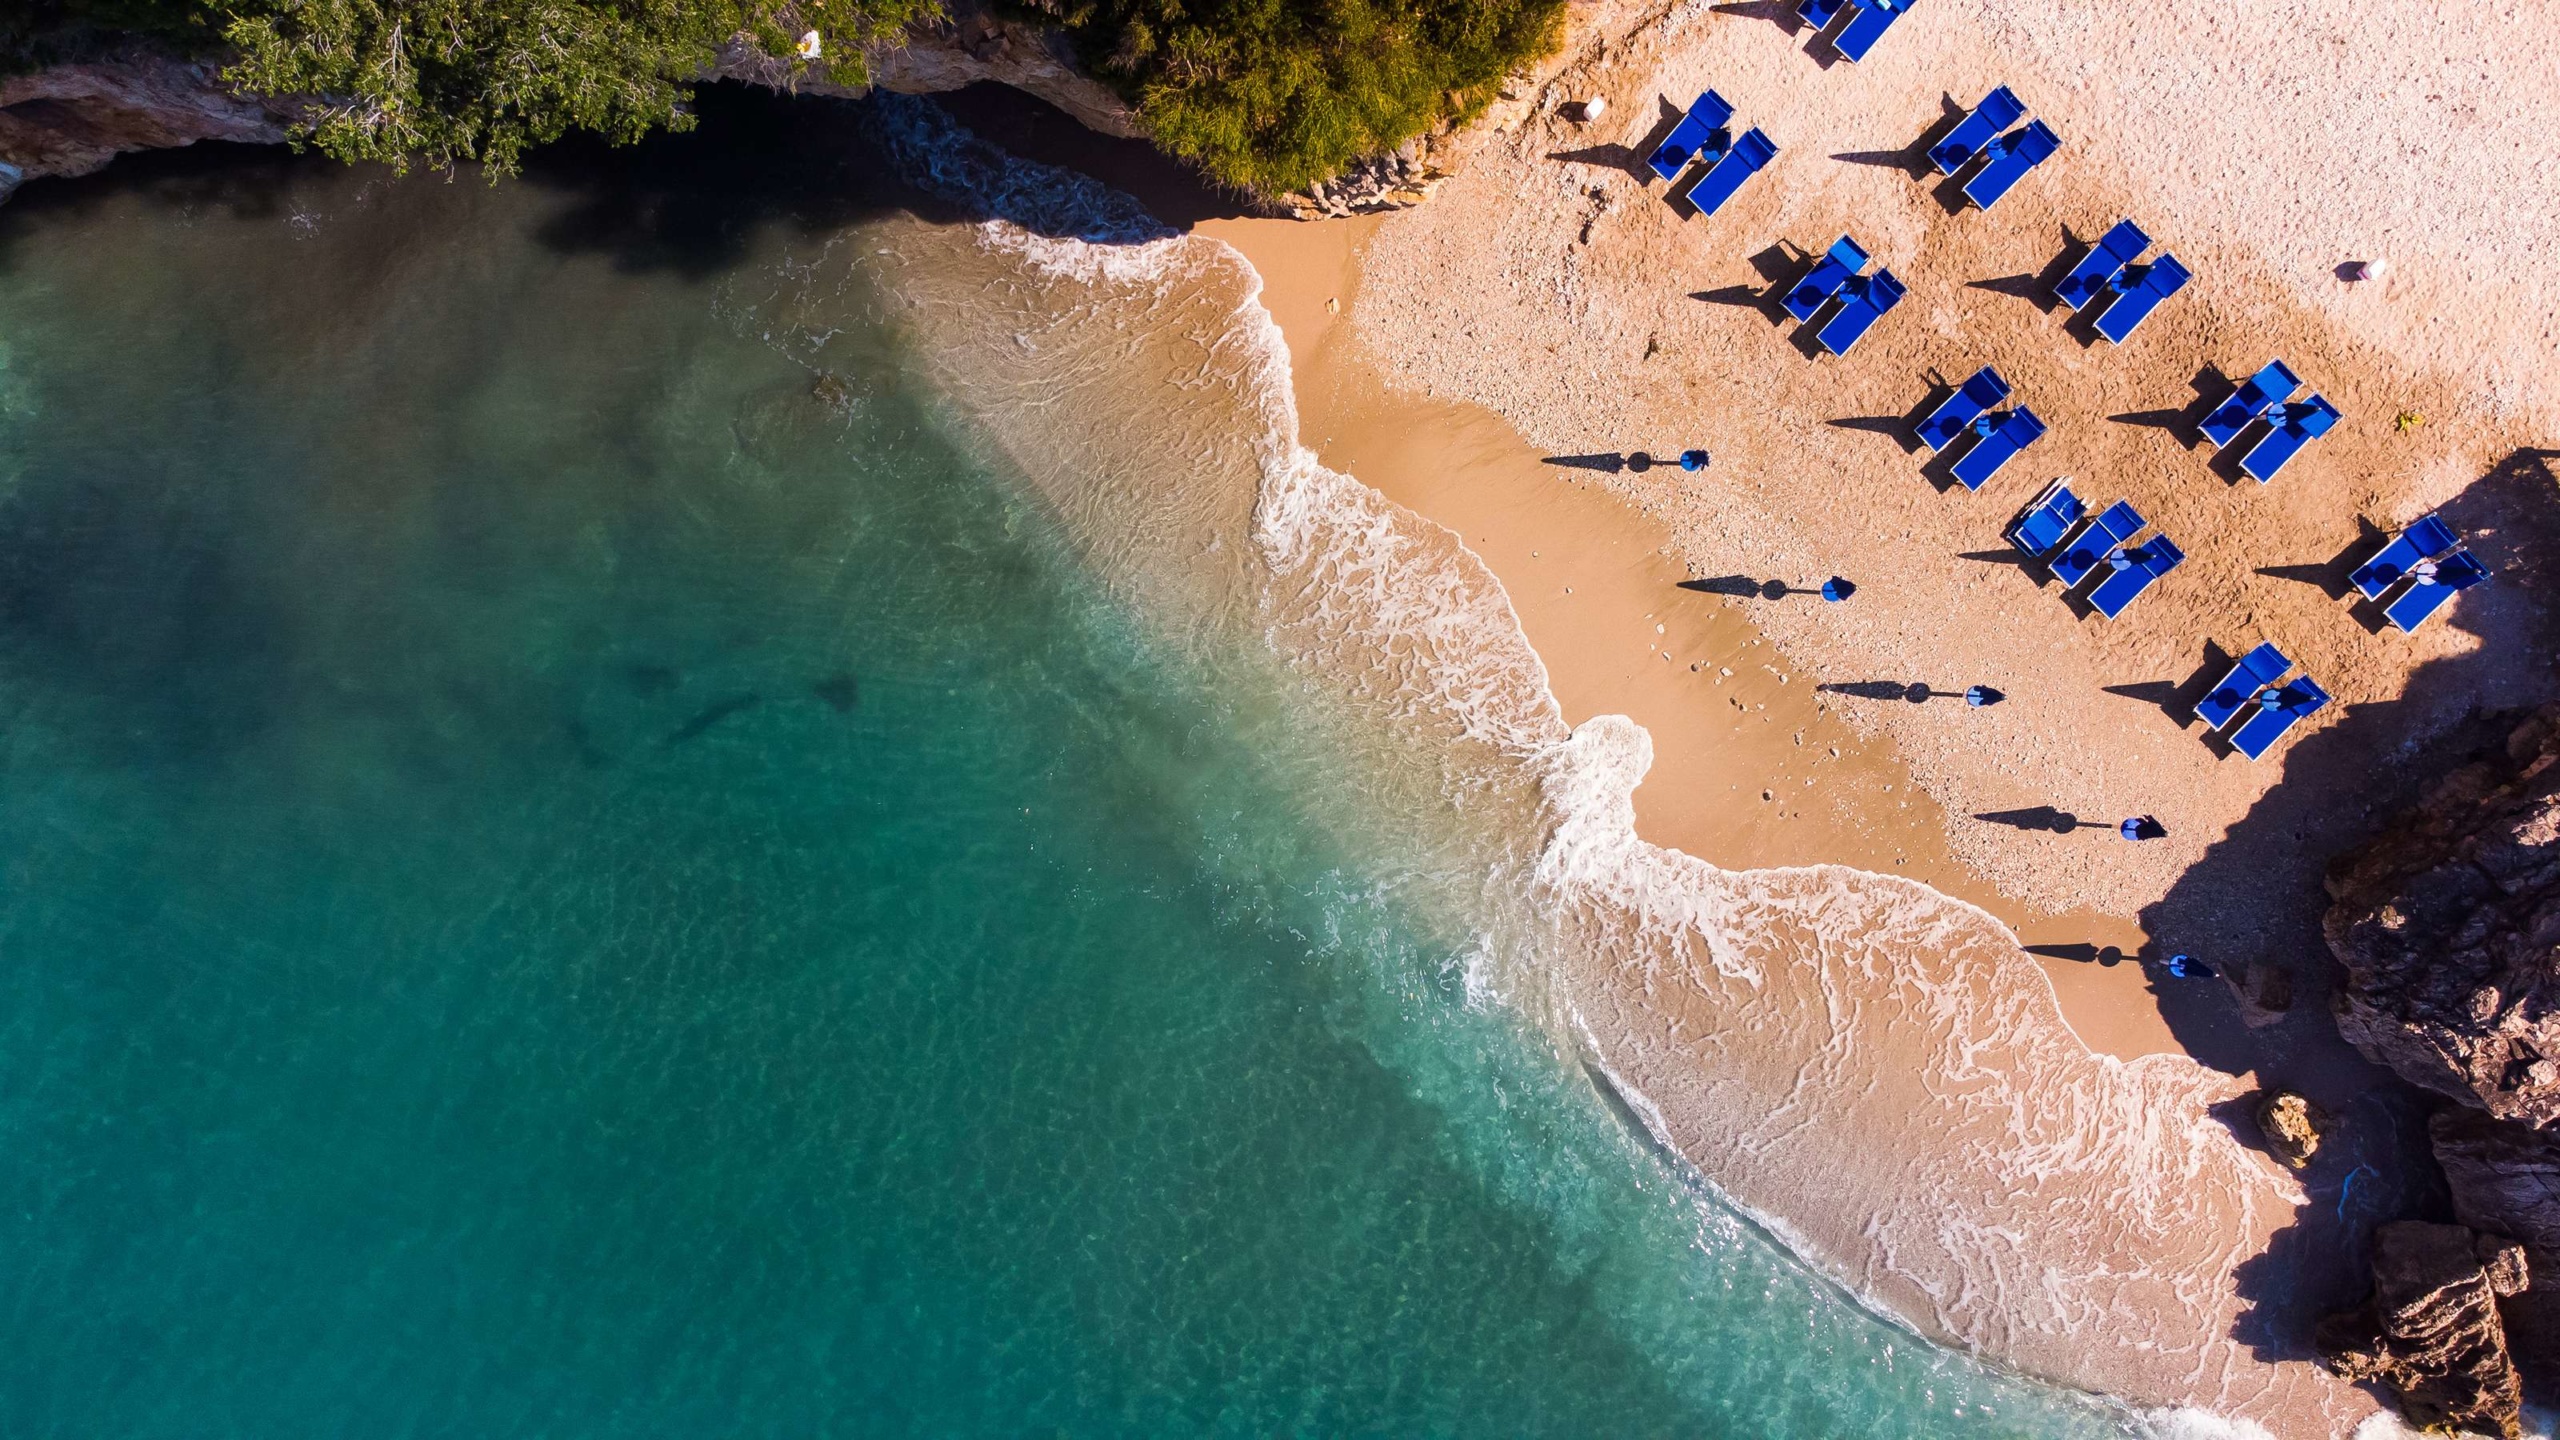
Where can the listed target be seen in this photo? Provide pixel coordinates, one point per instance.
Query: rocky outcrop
(2291, 1126)
(1379, 183)
(2505, 1180)
(2449, 929)
(2432, 1331)
(72, 119)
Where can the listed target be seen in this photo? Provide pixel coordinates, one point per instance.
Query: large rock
(2449, 929)
(2291, 1126)
(72, 119)
(2432, 1331)
(2505, 1180)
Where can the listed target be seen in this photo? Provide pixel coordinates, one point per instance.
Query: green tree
(444, 81)
(1272, 94)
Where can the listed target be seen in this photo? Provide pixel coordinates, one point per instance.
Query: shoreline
(1548, 309)
(1597, 590)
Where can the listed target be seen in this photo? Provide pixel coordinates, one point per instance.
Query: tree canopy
(1262, 93)
(1276, 93)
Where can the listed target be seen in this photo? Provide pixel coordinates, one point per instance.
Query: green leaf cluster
(1274, 94)
(442, 82)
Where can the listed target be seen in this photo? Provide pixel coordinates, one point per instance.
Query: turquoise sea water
(561, 884)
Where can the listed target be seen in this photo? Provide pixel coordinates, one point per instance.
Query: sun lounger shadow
(2040, 817)
(1898, 428)
(1748, 297)
(1912, 160)
(2329, 577)
(1940, 469)
(1623, 158)
(2005, 557)
(2031, 288)
(2185, 424)
(2177, 698)
(1781, 13)
(1949, 193)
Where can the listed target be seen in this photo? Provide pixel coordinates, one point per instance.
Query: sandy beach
(1482, 359)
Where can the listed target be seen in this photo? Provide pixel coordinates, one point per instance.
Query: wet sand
(1752, 767)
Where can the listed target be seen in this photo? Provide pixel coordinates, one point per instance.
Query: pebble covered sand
(1551, 282)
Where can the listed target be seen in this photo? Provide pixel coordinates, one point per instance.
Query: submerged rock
(2292, 1126)
(2432, 1332)
(2449, 928)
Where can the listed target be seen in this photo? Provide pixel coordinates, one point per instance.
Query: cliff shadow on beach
(2253, 906)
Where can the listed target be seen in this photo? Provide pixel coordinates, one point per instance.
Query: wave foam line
(1871, 1067)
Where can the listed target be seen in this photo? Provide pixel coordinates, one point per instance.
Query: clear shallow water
(560, 884)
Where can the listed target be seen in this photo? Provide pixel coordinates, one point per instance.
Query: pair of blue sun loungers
(1997, 436)
(2058, 532)
(2114, 291)
(2003, 156)
(1855, 297)
(1867, 22)
(2420, 569)
(1704, 134)
(2253, 704)
(2267, 397)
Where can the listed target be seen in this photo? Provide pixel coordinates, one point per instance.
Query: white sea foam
(1871, 1069)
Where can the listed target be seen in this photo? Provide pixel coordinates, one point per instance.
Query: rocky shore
(2448, 927)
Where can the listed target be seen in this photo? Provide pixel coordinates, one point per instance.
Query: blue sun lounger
(1836, 268)
(2008, 159)
(1998, 111)
(2258, 394)
(2278, 711)
(1818, 13)
(1863, 302)
(1868, 20)
(2041, 526)
(1998, 446)
(2296, 425)
(2236, 690)
(2088, 550)
(2424, 539)
(2426, 595)
(2143, 565)
(1706, 116)
(2098, 269)
(2139, 291)
(1957, 413)
(1751, 152)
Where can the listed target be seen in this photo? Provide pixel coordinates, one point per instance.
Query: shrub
(1273, 94)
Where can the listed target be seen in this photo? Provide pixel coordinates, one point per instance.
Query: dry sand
(1549, 285)
(1549, 304)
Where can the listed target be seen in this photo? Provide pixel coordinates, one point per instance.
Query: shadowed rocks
(2432, 1332)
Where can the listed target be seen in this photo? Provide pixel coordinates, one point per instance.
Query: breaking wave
(1871, 1069)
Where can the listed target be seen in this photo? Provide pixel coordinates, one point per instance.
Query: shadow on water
(693, 204)
(2256, 900)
